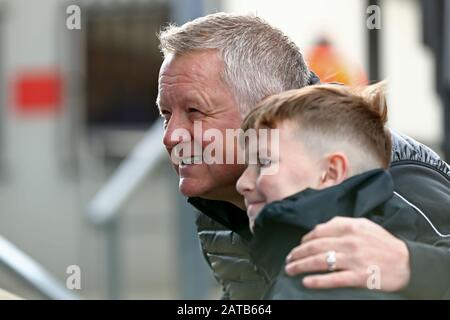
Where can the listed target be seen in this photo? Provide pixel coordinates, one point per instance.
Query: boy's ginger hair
(331, 115)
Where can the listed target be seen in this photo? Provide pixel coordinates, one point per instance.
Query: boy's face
(297, 170)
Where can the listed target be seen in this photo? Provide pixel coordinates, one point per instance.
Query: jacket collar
(225, 213)
(281, 224)
(354, 197)
(313, 79)
(366, 191)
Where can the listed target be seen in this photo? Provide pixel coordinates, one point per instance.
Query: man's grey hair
(259, 59)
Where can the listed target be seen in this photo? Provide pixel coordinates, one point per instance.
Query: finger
(333, 280)
(315, 263)
(336, 227)
(317, 246)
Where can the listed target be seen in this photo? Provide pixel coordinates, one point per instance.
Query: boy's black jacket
(227, 237)
(280, 225)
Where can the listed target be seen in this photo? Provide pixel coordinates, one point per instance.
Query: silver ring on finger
(331, 260)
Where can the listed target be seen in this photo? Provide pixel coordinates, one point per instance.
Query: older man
(216, 68)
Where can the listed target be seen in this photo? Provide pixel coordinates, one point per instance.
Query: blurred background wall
(74, 103)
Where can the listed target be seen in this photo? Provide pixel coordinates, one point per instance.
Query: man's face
(297, 170)
(191, 90)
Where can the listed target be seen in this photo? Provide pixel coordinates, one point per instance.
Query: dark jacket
(420, 176)
(280, 223)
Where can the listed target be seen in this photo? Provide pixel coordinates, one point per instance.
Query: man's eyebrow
(159, 104)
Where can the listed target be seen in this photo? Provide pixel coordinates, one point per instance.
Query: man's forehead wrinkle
(191, 90)
(199, 67)
(191, 95)
(196, 76)
(194, 79)
(194, 90)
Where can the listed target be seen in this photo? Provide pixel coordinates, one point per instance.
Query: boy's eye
(264, 162)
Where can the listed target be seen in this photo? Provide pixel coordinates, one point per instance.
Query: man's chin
(191, 188)
(194, 188)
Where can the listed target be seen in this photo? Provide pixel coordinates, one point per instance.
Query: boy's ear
(335, 170)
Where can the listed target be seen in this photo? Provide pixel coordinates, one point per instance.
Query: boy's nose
(246, 183)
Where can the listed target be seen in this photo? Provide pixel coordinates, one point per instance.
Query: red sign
(37, 92)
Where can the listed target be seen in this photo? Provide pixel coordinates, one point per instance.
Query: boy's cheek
(269, 186)
(272, 170)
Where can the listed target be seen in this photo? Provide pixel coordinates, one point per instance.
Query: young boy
(331, 160)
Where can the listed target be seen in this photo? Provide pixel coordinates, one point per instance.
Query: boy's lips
(253, 208)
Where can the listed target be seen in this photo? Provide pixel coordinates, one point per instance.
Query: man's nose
(246, 183)
(177, 131)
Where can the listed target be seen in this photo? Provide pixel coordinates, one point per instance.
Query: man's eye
(193, 110)
(165, 114)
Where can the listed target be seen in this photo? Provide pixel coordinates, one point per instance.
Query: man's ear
(335, 170)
